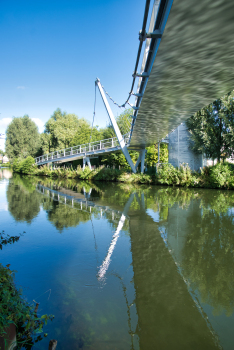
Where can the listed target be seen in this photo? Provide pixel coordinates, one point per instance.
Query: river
(123, 266)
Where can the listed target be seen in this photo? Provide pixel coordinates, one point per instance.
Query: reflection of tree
(220, 202)
(165, 198)
(63, 216)
(23, 201)
(208, 259)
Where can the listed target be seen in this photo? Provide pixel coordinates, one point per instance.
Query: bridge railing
(90, 148)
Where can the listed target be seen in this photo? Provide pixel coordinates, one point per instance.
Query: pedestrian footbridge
(85, 151)
(187, 63)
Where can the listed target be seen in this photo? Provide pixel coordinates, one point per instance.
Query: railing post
(71, 151)
(100, 144)
(112, 140)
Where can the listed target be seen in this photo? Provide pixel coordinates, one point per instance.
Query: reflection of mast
(104, 267)
(128, 309)
(106, 262)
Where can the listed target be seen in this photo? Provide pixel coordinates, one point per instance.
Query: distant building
(3, 159)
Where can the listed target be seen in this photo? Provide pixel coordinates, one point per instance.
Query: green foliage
(17, 164)
(24, 166)
(2, 153)
(61, 128)
(152, 154)
(22, 138)
(7, 239)
(45, 144)
(14, 309)
(7, 165)
(218, 176)
(212, 128)
(182, 176)
(83, 134)
(27, 165)
(118, 159)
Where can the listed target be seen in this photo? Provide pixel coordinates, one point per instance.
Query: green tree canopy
(152, 154)
(61, 128)
(22, 138)
(124, 123)
(212, 128)
(83, 134)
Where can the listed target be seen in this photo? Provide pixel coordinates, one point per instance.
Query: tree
(2, 153)
(124, 124)
(22, 138)
(62, 128)
(212, 128)
(83, 134)
(152, 154)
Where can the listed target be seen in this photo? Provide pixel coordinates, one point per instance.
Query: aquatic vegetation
(14, 309)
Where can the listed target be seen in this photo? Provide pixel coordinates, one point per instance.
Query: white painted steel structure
(82, 151)
(194, 44)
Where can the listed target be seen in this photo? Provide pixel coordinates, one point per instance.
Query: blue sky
(52, 52)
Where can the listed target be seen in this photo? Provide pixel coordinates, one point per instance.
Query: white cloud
(39, 123)
(4, 122)
(21, 87)
(2, 144)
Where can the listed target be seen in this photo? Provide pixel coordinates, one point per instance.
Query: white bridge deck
(81, 151)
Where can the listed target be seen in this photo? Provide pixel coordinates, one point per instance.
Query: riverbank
(19, 322)
(219, 176)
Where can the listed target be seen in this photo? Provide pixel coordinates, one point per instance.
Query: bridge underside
(193, 67)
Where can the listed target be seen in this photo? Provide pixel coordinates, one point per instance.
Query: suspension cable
(141, 38)
(94, 108)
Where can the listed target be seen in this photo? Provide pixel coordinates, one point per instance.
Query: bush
(17, 164)
(27, 166)
(220, 175)
(168, 175)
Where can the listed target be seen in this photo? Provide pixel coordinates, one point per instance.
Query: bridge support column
(115, 126)
(86, 160)
(141, 159)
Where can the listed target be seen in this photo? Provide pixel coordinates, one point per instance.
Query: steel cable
(143, 32)
(94, 110)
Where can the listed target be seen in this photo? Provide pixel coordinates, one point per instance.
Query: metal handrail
(91, 147)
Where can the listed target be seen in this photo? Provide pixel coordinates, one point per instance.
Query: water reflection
(23, 201)
(5, 173)
(174, 290)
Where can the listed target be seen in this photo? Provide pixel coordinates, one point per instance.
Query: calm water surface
(121, 266)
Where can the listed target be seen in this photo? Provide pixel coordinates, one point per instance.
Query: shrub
(220, 175)
(27, 166)
(168, 175)
(17, 164)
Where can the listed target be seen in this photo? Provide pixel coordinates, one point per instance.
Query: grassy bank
(220, 175)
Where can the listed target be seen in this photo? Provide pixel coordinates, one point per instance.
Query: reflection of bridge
(194, 45)
(169, 317)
